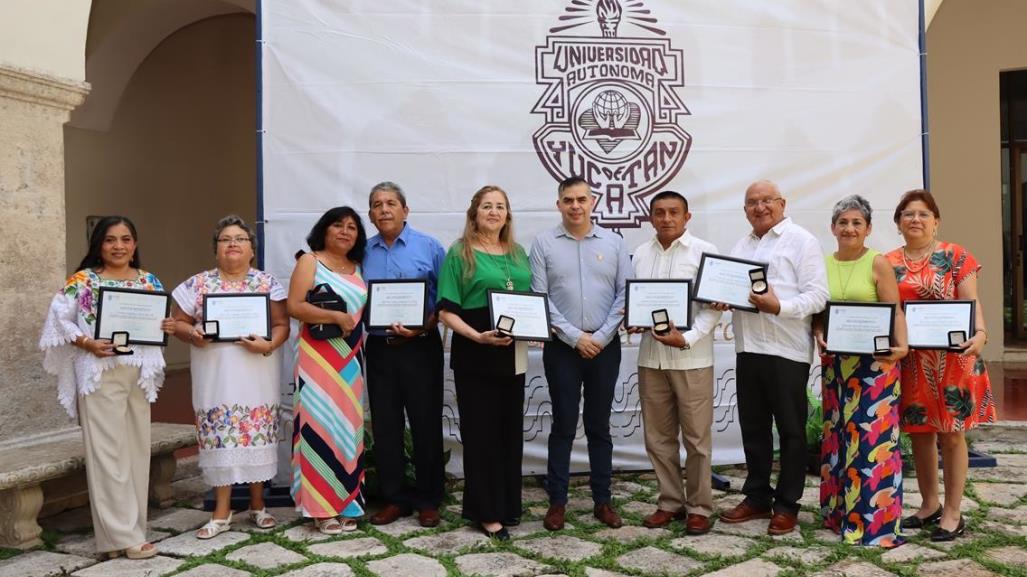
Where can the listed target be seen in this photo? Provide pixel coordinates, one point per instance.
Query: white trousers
(116, 428)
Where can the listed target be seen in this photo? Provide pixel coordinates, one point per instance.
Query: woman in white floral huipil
(235, 384)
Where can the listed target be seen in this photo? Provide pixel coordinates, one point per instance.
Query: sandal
(214, 527)
(328, 526)
(261, 518)
(141, 551)
(349, 524)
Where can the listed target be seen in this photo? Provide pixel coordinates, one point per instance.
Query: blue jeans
(568, 375)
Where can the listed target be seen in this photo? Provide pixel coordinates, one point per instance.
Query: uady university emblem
(611, 106)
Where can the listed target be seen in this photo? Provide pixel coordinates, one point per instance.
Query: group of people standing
(583, 269)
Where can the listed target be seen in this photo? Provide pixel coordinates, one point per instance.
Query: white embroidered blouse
(73, 314)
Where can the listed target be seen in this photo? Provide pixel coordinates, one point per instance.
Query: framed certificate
(396, 301)
(136, 312)
(857, 328)
(725, 279)
(939, 324)
(238, 315)
(521, 315)
(643, 297)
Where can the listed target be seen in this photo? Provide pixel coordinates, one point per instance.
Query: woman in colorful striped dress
(861, 465)
(328, 436)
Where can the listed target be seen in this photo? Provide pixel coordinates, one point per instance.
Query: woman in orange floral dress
(944, 394)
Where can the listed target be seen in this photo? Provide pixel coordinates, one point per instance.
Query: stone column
(33, 110)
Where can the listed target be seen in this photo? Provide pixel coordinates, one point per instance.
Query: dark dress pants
(407, 377)
(773, 389)
(568, 375)
(492, 432)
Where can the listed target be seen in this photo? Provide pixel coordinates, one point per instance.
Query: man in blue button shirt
(583, 268)
(404, 366)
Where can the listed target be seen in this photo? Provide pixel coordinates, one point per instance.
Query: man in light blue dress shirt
(404, 366)
(583, 268)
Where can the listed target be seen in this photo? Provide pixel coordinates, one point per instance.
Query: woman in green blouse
(488, 369)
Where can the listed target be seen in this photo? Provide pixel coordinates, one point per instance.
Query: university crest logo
(611, 106)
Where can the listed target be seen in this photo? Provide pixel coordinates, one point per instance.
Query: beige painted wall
(47, 36)
(968, 44)
(181, 151)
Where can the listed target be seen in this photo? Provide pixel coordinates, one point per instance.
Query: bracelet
(269, 353)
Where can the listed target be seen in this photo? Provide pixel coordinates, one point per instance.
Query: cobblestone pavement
(995, 544)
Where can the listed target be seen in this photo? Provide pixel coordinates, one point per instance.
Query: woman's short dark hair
(913, 196)
(316, 238)
(93, 258)
(234, 220)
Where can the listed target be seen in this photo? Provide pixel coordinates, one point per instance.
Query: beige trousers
(676, 402)
(116, 427)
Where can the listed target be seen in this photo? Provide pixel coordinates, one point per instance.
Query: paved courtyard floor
(995, 544)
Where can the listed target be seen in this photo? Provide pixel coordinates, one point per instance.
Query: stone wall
(33, 110)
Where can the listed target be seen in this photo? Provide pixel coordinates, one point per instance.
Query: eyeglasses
(754, 202)
(233, 239)
(910, 214)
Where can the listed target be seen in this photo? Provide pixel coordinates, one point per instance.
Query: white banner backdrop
(698, 96)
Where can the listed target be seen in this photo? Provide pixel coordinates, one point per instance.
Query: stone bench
(54, 469)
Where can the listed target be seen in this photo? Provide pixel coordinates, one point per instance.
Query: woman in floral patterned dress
(110, 393)
(861, 465)
(944, 394)
(235, 384)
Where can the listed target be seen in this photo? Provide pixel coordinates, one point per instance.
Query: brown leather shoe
(554, 518)
(389, 514)
(607, 516)
(697, 525)
(661, 519)
(782, 524)
(428, 517)
(744, 512)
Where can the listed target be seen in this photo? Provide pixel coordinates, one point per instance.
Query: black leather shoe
(512, 522)
(914, 522)
(939, 534)
(501, 535)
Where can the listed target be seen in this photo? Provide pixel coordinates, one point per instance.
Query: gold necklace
(921, 260)
(506, 261)
(852, 271)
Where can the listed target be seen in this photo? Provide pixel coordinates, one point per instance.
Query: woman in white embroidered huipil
(235, 384)
(111, 393)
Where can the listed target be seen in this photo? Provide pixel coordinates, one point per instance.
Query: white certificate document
(396, 301)
(136, 312)
(530, 312)
(643, 296)
(852, 327)
(929, 323)
(723, 279)
(238, 315)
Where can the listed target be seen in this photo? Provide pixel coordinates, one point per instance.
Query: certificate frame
(541, 299)
(647, 323)
(703, 267)
(835, 306)
(220, 338)
(943, 343)
(101, 330)
(371, 285)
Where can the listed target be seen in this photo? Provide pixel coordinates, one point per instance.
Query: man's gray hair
(852, 202)
(234, 220)
(387, 186)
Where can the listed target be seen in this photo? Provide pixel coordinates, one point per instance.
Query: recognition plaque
(238, 315)
(859, 328)
(397, 301)
(941, 325)
(644, 297)
(528, 315)
(136, 312)
(728, 280)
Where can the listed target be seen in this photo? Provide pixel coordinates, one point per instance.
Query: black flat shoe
(501, 535)
(914, 522)
(512, 522)
(939, 534)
